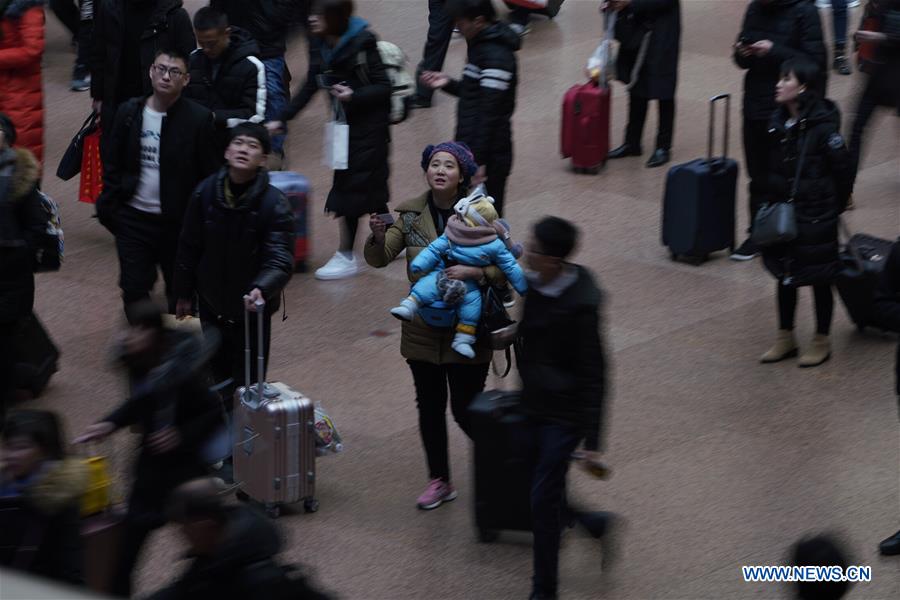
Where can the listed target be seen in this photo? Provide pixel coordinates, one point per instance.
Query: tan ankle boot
(785, 347)
(818, 352)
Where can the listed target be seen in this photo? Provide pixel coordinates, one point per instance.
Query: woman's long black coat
(362, 188)
(825, 183)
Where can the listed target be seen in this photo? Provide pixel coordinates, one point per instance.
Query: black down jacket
(654, 68)
(169, 27)
(825, 184)
(795, 29)
(487, 97)
(362, 188)
(237, 91)
(225, 252)
(268, 21)
(21, 216)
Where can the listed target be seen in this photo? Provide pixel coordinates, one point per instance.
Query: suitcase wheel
(487, 536)
(273, 510)
(310, 505)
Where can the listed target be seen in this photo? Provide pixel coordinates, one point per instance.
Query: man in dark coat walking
(773, 31)
(237, 243)
(486, 92)
(227, 76)
(564, 380)
(127, 35)
(177, 414)
(159, 149)
(649, 32)
(887, 303)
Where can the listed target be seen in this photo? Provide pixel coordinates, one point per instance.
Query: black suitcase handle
(712, 125)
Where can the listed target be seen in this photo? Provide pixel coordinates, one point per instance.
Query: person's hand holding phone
(378, 227)
(761, 48)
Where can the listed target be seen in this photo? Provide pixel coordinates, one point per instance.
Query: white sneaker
(339, 267)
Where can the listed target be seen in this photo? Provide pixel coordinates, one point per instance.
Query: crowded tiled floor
(718, 461)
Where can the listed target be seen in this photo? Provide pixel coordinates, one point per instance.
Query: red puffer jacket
(21, 49)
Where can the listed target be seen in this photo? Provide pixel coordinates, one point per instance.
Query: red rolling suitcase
(585, 126)
(297, 190)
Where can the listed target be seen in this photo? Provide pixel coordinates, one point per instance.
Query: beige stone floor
(719, 461)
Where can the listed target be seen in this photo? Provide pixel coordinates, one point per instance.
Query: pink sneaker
(437, 492)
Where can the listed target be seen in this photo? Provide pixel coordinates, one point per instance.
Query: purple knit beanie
(464, 157)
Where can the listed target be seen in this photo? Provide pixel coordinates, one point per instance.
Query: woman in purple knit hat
(435, 367)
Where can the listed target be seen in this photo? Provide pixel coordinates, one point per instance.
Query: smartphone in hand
(386, 218)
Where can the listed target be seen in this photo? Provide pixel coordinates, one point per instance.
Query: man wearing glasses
(160, 148)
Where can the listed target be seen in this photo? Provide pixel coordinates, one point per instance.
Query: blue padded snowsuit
(442, 252)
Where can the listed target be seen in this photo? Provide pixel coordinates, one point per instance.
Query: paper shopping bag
(91, 169)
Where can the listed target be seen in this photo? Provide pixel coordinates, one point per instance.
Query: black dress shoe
(623, 151)
(659, 158)
(890, 546)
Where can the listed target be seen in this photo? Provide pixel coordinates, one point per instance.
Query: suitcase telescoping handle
(260, 359)
(712, 125)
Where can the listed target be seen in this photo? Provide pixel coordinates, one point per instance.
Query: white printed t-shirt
(146, 196)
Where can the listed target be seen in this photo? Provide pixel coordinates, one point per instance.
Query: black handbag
(70, 163)
(494, 319)
(775, 223)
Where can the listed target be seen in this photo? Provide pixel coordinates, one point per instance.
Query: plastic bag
(327, 437)
(600, 63)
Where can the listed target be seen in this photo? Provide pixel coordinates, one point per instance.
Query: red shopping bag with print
(91, 169)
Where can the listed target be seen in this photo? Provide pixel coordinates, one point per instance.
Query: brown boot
(818, 352)
(785, 347)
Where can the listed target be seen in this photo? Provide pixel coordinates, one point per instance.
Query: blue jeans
(839, 20)
(276, 95)
(549, 447)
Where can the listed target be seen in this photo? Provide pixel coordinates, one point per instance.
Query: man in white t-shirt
(160, 148)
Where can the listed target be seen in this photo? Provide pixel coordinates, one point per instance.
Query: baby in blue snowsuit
(470, 238)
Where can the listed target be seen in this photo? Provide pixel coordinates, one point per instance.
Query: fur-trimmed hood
(17, 8)
(26, 172)
(62, 483)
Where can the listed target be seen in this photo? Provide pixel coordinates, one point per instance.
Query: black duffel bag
(863, 259)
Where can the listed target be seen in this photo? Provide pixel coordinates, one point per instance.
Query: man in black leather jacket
(236, 249)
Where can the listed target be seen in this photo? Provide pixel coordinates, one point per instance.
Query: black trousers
(756, 158)
(496, 186)
(143, 517)
(873, 96)
(432, 381)
(548, 446)
(823, 301)
(637, 116)
(229, 361)
(440, 31)
(145, 242)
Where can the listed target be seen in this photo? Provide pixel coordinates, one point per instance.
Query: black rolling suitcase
(698, 206)
(863, 259)
(36, 356)
(502, 475)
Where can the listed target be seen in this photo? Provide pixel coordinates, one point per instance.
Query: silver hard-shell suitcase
(275, 439)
